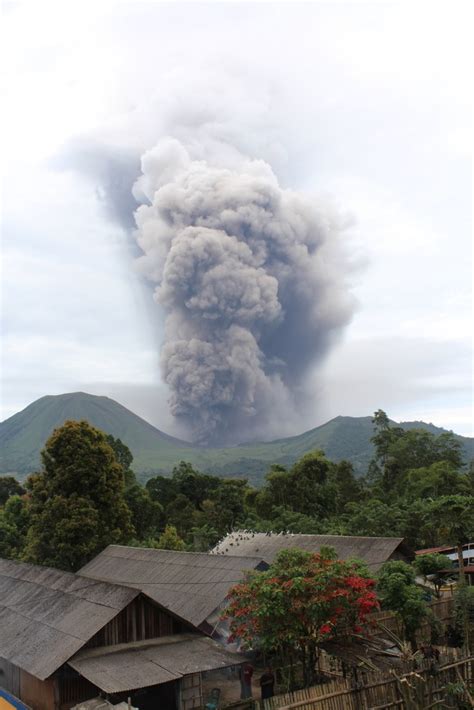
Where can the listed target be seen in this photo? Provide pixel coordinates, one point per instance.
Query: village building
(66, 638)
(451, 553)
(191, 585)
(374, 551)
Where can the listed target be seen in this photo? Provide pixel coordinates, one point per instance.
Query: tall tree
(77, 500)
(398, 591)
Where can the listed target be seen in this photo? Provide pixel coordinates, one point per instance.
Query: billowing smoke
(253, 283)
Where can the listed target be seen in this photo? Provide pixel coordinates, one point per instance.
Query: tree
(161, 489)
(398, 450)
(9, 537)
(170, 540)
(398, 591)
(204, 537)
(77, 501)
(65, 534)
(464, 614)
(196, 486)
(439, 479)
(348, 488)
(302, 600)
(180, 514)
(454, 518)
(9, 486)
(124, 457)
(14, 523)
(433, 568)
(373, 518)
(147, 514)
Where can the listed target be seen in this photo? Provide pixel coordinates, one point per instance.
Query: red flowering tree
(302, 600)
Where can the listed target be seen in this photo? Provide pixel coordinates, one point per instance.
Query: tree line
(86, 496)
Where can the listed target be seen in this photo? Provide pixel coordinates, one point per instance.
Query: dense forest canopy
(86, 496)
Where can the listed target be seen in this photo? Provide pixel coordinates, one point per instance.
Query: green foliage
(123, 455)
(302, 600)
(180, 514)
(14, 524)
(147, 514)
(414, 489)
(196, 486)
(398, 451)
(204, 538)
(373, 518)
(454, 517)
(9, 486)
(433, 568)
(10, 542)
(77, 501)
(439, 479)
(64, 533)
(170, 540)
(464, 615)
(161, 489)
(397, 590)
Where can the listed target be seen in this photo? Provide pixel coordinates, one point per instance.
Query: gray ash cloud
(253, 282)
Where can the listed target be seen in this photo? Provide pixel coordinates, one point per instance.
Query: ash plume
(253, 283)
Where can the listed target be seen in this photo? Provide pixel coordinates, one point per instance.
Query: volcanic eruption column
(252, 280)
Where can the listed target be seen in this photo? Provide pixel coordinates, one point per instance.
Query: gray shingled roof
(46, 615)
(189, 584)
(373, 550)
(131, 666)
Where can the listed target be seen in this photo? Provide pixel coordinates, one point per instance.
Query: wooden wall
(140, 620)
(38, 694)
(9, 677)
(191, 692)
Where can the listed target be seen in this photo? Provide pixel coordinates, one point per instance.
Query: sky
(365, 105)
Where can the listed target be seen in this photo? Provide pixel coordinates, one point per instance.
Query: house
(452, 553)
(191, 585)
(373, 550)
(66, 638)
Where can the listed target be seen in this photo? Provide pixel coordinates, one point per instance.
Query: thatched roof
(189, 584)
(373, 550)
(130, 666)
(46, 615)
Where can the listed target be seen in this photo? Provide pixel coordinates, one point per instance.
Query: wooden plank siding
(38, 694)
(139, 621)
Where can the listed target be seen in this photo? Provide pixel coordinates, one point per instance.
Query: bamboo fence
(379, 691)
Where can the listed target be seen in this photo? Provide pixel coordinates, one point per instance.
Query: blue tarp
(7, 701)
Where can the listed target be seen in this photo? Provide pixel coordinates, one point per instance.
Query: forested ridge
(86, 495)
(23, 436)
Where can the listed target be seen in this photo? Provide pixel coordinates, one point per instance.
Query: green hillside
(23, 436)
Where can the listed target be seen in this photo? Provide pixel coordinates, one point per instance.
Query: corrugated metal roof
(373, 550)
(189, 584)
(434, 550)
(125, 667)
(46, 615)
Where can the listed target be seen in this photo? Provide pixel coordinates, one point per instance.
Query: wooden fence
(378, 691)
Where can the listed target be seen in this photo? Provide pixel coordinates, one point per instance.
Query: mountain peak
(23, 435)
